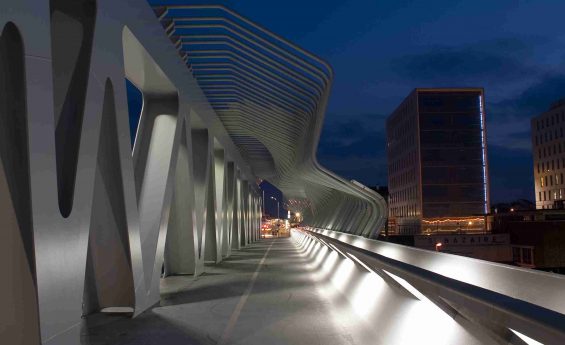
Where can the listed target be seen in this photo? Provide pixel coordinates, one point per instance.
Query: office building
(437, 162)
(549, 156)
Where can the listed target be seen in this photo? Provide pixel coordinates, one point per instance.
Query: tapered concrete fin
(109, 278)
(18, 294)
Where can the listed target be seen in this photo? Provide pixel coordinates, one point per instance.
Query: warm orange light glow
(450, 220)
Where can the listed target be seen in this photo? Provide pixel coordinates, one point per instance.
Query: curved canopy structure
(271, 97)
(91, 226)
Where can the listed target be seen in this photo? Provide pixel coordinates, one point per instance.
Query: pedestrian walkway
(264, 294)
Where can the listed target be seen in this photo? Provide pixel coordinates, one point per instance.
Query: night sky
(381, 50)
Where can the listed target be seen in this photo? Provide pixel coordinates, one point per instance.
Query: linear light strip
(361, 263)
(525, 338)
(481, 105)
(407, 286)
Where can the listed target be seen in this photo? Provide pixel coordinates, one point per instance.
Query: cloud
(354, 147)
(535, 99)
(509, 120)
(511, 174)
(495, 60)
(516, 90)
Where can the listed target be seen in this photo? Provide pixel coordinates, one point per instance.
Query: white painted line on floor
(239, 307)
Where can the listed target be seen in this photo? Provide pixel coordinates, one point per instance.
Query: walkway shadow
(224, 282)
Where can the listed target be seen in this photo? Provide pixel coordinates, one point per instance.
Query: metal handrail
(527, 301)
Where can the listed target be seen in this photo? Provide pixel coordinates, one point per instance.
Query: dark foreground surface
(263, 294)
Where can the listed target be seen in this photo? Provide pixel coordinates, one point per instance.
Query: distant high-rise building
(549, 156)
(437, 162)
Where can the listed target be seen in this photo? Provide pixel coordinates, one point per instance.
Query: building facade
(548, 151)
(437, 162)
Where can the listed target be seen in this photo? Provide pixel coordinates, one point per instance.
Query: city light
(448, 220)
(483, 144)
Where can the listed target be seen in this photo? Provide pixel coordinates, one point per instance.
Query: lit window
(541, 180)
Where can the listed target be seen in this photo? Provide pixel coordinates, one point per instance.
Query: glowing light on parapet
(525, 338)
(483, 147)
(367, 294)
(372, 298)
(337, 250)
(407, 286)
(361, 263)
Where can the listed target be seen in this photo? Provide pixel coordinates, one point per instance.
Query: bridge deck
(271, 292)
(263, 294)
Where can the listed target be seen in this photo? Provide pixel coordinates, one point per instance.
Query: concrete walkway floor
(263, 294)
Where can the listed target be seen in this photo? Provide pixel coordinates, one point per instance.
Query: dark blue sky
(381, 50)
